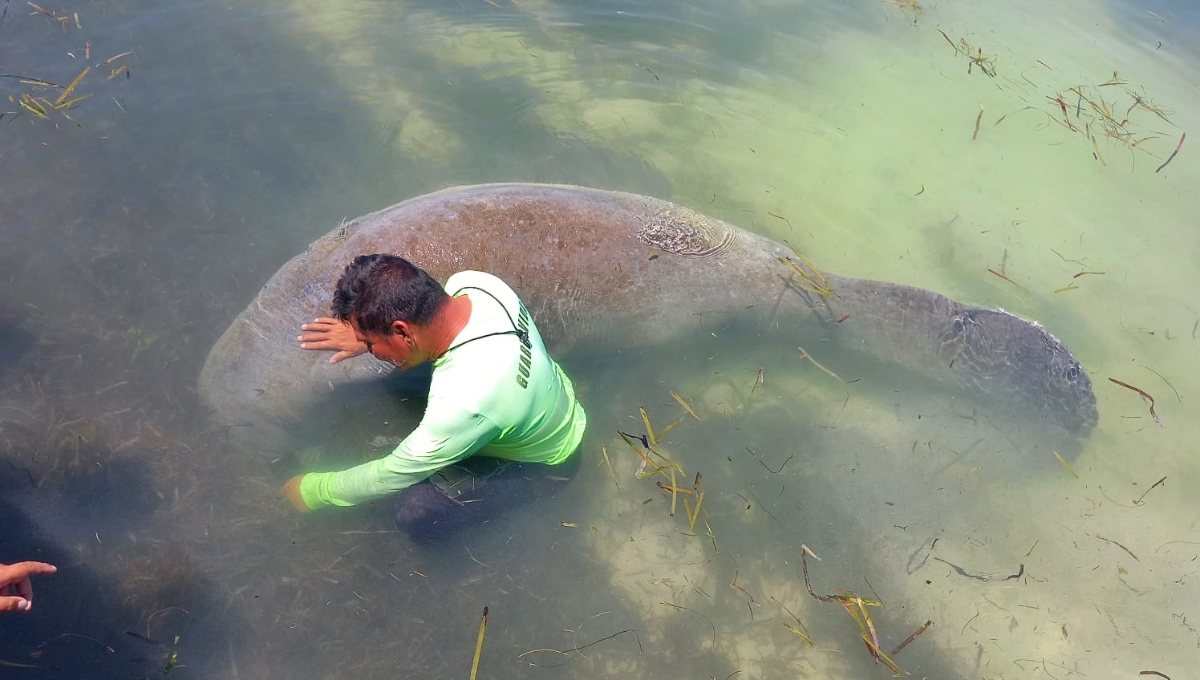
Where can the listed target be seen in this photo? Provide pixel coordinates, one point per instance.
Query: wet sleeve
(443, 437)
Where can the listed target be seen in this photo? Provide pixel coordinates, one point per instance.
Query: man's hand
(16, 592)
(325, 333)
(292, 491)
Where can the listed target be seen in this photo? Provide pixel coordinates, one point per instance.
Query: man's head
(376, 290)
(388, 300)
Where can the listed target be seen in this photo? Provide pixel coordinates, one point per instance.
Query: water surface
(134, 231)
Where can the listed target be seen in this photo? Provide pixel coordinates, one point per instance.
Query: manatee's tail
(987, 352)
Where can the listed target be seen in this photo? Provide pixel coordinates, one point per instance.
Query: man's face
(396, 348)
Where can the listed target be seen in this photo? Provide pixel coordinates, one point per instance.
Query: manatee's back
(596, 268)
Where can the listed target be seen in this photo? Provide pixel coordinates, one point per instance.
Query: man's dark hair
(379, 289)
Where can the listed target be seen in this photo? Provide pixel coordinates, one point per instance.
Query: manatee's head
(1021, 365)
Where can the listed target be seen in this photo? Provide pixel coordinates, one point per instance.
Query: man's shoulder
(463, 280)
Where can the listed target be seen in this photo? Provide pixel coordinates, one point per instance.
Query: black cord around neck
(522, 335)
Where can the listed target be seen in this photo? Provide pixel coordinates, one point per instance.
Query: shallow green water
(132, 232)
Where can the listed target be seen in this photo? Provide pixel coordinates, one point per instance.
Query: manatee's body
(604, 271)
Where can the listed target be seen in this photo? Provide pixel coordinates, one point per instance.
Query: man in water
(501, 423)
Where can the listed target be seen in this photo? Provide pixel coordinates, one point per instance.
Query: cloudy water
(1016, 155)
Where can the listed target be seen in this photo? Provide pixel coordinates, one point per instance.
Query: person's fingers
(30, 568)
(343, 355)
(321, 324)
(14, 604)
(321, 331)
(12, 573)
(326, 336)
(324, 345)
(21, 569)
(346, 354)
(16, 577)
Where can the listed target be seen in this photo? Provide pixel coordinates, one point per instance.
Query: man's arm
(437, 442)
(329, 334)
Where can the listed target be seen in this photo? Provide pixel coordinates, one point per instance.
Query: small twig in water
(579, 649)
(1168, 382)
(479, 644)
(1109, 540)
(781, 466)
(806, 355)
(912, 637)
(1145, 396)
(710, 623)
(1173, 153)
(1152, 486)
(977, 577)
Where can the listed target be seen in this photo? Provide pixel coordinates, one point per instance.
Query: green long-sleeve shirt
(496, 396)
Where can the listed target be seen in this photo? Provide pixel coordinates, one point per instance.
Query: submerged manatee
(604, 271)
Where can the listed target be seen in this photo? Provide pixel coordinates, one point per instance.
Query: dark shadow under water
(119, 607)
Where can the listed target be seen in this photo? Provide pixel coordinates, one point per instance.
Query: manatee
(604, 271)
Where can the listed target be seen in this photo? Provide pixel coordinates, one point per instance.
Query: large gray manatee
(604, 271)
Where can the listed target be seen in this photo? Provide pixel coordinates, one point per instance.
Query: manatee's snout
(1068, 395)
(1019, 363)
